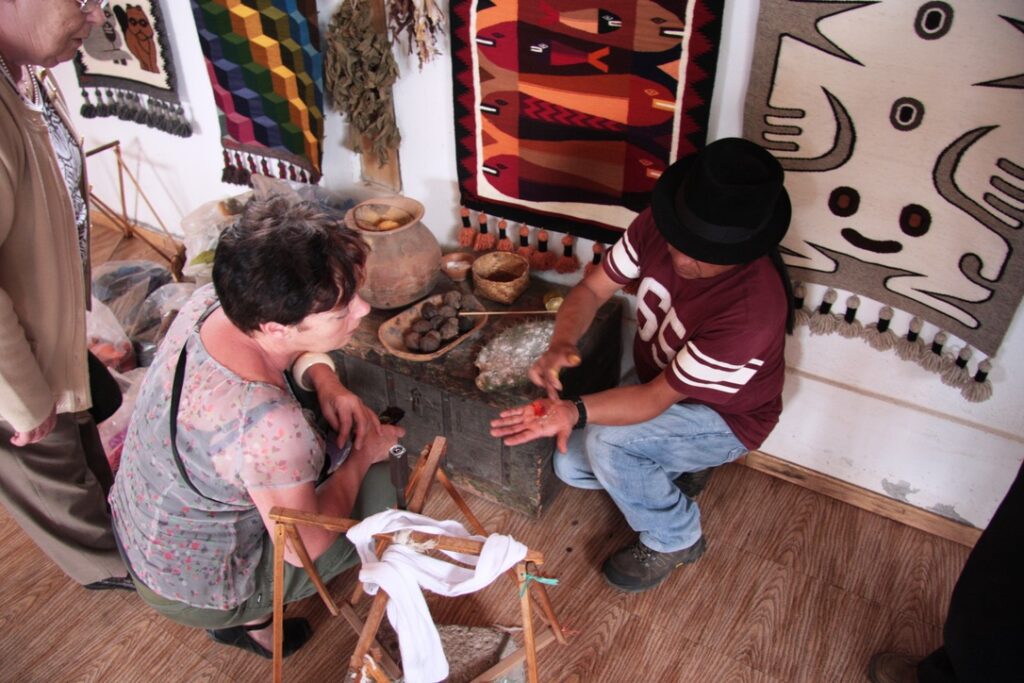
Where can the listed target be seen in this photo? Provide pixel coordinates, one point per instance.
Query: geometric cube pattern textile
(265, 65)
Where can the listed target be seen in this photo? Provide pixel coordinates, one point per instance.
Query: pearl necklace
(33, 97)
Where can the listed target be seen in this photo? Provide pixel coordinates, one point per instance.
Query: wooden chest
(440, 397)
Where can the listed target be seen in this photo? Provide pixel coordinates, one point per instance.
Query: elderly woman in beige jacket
(53, 473)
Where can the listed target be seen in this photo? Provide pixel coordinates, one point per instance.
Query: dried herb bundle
(422, 20)
(359, 71)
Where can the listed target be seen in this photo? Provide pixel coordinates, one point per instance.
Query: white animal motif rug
(901, 128)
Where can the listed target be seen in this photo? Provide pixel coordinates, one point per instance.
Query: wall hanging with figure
(125, 69)
(899, 125)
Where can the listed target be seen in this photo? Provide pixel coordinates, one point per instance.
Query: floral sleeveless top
(234, 435)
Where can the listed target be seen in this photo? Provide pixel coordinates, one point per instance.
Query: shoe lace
(642, 553)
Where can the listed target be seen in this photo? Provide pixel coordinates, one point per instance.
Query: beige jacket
(42, 284)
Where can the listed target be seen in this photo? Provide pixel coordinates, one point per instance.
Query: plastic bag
(155, 316)
(107, 339)
(124, 285)
(202, 228)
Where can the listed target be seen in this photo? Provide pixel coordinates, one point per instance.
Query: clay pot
(404, 260)
(456, 265)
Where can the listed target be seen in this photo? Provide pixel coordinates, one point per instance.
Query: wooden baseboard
(863, 498)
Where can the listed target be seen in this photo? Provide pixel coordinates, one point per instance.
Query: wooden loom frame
(120, 220)
(368, 658)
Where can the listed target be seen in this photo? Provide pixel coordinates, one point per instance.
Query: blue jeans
(637, 465)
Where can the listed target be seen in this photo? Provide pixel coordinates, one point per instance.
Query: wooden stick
(370, 627)
(455, 544)
(386, 662)
(528, 642)
(541, 311)
(307, 563)
(280, 514)
(278, 651)
(426, 476)
(540, 595)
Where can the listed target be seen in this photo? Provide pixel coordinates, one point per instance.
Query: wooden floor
(794, 587)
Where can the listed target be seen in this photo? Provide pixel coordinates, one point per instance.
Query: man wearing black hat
(713, 307)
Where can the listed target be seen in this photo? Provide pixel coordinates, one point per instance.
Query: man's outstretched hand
(544, 417)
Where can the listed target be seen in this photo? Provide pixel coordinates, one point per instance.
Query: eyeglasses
(88, 6)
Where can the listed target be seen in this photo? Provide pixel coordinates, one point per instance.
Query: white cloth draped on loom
(402, 571)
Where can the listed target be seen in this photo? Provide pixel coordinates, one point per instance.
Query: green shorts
(375, 494)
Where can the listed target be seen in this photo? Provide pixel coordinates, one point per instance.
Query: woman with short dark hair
(218, 438)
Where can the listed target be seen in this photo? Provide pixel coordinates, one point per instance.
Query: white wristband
(305, 362)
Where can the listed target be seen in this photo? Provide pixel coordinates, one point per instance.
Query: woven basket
(501, 276)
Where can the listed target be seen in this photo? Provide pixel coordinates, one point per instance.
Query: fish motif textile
(266, 68)
(900, 128)
(567, 111)
(125, 69)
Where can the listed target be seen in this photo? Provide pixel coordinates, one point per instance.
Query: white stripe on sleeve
(693, 367)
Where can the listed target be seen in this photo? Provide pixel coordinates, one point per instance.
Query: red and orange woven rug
(566, 113)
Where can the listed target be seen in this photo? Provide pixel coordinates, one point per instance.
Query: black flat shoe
(123, 583)
(296, 633)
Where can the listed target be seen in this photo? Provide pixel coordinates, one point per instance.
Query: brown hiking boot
(892, 667)
(637, 568)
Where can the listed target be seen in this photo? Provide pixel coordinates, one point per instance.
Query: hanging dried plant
(422, 21)
(359, 71)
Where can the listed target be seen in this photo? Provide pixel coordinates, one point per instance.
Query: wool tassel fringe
(504, 243)
(850, 327)
(934, 359)
(980, 388)
(484, 240)
(567, 262)
(801, 316)
(542, 259)
(524, 249)
(957, 375)
(126, 105)
(467, 234)
(595, 261)
(952, 370)
(878, 335)
(911, 347)
(239, 167)
(822, 320)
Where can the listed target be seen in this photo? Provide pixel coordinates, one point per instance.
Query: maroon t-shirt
(719, 341)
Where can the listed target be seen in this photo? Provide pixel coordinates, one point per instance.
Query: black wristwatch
(581, 408)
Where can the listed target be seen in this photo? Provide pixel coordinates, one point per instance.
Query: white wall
(851, 412)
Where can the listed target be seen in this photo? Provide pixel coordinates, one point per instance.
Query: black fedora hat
(724, 205)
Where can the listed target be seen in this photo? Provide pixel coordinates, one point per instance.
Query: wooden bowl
(390, 331)
(501, 276)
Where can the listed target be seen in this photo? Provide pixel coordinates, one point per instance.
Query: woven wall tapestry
(125, 69)
(566, 114)
(901, 130)
(266, 69)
